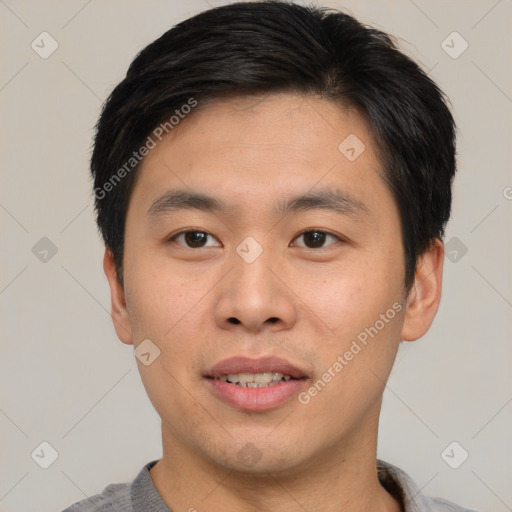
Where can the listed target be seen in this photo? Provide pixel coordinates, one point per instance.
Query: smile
(255, 384)
(255, 380)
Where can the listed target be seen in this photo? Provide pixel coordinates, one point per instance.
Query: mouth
(255, 384)
(255, 380)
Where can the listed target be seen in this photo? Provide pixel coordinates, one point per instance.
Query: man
(272, 184)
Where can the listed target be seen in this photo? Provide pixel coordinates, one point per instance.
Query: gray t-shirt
(141, 494)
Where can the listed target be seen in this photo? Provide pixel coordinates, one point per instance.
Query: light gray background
(67, 380)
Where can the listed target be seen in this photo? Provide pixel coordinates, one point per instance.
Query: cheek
(354, 294)
(165, 307)
(160, 297)
(370, 318)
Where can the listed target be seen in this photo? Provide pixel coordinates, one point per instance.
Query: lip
(255, 399)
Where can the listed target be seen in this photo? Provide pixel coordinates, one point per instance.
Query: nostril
(234, 320)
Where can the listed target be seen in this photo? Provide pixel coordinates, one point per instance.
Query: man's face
(255, 282)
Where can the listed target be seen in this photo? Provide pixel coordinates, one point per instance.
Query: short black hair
(275, 46)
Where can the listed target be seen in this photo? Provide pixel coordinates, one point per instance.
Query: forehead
(242, 150)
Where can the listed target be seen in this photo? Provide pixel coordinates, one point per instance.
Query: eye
(315, 238)
(193, 239)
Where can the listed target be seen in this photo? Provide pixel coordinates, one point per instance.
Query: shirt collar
(145, 496)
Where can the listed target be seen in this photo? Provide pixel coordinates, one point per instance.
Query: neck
(341, 477)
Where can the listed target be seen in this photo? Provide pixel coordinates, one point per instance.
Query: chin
(263, 467)
(260, 457)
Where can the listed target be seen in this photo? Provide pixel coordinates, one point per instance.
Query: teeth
(244, 378)
(263, 378)
(255, 380)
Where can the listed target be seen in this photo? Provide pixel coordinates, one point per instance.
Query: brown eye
(315, 239)
(193, 239)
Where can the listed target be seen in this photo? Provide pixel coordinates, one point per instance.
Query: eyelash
(174, 237)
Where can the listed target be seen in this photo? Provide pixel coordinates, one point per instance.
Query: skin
(252, 152)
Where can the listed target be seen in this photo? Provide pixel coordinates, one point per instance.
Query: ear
(425, 295)
(120, 315)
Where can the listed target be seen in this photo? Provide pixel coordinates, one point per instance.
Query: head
(254, 104)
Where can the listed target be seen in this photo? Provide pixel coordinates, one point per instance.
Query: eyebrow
(328, 199)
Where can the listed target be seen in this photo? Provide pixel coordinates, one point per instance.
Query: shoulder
(114, 498)
(442, 505)
(400, 484)
(124, 497)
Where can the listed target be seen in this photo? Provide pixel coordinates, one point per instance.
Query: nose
(255, 295)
